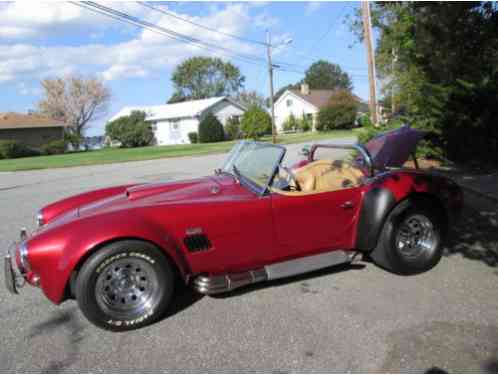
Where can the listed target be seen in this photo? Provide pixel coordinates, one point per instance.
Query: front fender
(54, 254)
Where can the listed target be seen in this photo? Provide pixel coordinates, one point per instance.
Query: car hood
(205, 189)
(393, 148)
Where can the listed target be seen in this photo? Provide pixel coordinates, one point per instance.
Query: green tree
(290, 123)
(256, 122)
(340, 113)
(211, 129)
(324, 75)
(205, 77)
(232, 128)
(445, 71)
(131, 131)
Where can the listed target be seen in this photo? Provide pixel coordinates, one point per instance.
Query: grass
(118, 155)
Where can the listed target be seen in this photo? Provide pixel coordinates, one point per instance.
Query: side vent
(197, 242)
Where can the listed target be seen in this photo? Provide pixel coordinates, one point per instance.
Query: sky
(50, 39)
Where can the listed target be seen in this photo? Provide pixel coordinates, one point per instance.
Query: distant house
(302, 102)
(172, 122)
(33, 130)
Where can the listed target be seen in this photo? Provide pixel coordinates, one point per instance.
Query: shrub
(131, 131)
(304, 124)
(364, 120)
(193, 137)
(339, 114)
(256, 122)
(232, 128)
(291, 123)
(211, 129)
(14, 149)
(54, 147)
(73, 139)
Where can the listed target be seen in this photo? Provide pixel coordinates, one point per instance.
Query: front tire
(410, 241)
(125, 285)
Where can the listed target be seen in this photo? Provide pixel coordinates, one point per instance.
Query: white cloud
(143, 53)
(265, 20)
(312, 7)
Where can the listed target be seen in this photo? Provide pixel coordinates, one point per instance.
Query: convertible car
(121, 251)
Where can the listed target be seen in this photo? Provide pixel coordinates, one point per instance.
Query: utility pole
(367, 27)
(270, 72)
(393, 67)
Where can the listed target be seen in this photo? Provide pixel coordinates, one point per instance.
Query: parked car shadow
(292, 279)
(475, 235)
(183, 298)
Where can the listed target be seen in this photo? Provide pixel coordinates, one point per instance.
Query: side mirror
(305, 151)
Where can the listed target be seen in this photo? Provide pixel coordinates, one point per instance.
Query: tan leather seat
(327, 175)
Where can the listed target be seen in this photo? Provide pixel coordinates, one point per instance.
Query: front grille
(197, 242)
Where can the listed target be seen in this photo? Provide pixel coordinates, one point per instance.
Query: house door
(175, 134)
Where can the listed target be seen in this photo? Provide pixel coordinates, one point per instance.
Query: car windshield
(254, 163)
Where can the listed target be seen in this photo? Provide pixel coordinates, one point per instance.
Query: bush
(54, 147)
(339, 114)
(364, 121)
(256, 122)
(211, 130)
(232, 128)
(73, 139)
(131, 131)
(193, 137)
(304, 124)
(14, 149)
(291, 123)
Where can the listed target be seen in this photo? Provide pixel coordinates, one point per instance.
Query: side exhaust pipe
(227, 282)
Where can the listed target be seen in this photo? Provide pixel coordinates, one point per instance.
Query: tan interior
(325, 175)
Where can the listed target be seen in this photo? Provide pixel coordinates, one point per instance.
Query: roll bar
(358, 147)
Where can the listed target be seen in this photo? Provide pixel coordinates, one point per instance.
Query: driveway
(342, 319)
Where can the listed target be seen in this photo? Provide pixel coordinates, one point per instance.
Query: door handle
(347, 205)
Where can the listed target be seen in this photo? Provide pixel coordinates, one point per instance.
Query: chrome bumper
(14, 279)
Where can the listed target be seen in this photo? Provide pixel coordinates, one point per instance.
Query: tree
(340, 113)
(445, 71)
(249, 98)
(131, 131)
(232, 128)
(256, 122)
(211, 129)
(324, 75)
(75, 100)
(205, 77)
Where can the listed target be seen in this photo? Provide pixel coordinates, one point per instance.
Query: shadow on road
(475, 236)
(69, 322)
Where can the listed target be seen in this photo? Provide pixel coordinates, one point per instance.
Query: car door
(314, 222)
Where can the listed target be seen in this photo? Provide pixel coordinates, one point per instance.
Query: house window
(153, 126)
(309, 116)
(289, 102)
(175, 125)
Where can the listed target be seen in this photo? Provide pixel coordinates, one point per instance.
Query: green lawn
(117, 155)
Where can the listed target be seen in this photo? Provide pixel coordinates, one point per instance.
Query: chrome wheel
(416, 236)
(127, 288)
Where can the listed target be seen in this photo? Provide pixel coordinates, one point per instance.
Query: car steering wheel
(291, 178)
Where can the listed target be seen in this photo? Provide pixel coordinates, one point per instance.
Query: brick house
(33, 130)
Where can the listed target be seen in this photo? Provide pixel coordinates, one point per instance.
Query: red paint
(246, 230)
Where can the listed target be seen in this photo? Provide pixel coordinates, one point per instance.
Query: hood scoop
(196, 188)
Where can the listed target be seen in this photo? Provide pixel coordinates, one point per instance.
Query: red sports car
(120, 251)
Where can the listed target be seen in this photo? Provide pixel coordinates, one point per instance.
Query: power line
(124, 17)
(145, 4)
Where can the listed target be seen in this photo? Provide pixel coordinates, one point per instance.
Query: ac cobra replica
(120, 251)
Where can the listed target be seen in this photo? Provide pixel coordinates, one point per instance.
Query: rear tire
(410, 241)
(125, 285)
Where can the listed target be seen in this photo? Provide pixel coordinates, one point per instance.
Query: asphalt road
(343, 319)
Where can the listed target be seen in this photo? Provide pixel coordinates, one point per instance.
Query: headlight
(39, 219)
(23, 256)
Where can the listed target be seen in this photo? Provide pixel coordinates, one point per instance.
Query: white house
(172, 122)
(300, 102)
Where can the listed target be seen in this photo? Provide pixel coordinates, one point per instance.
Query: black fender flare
(377, 204)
